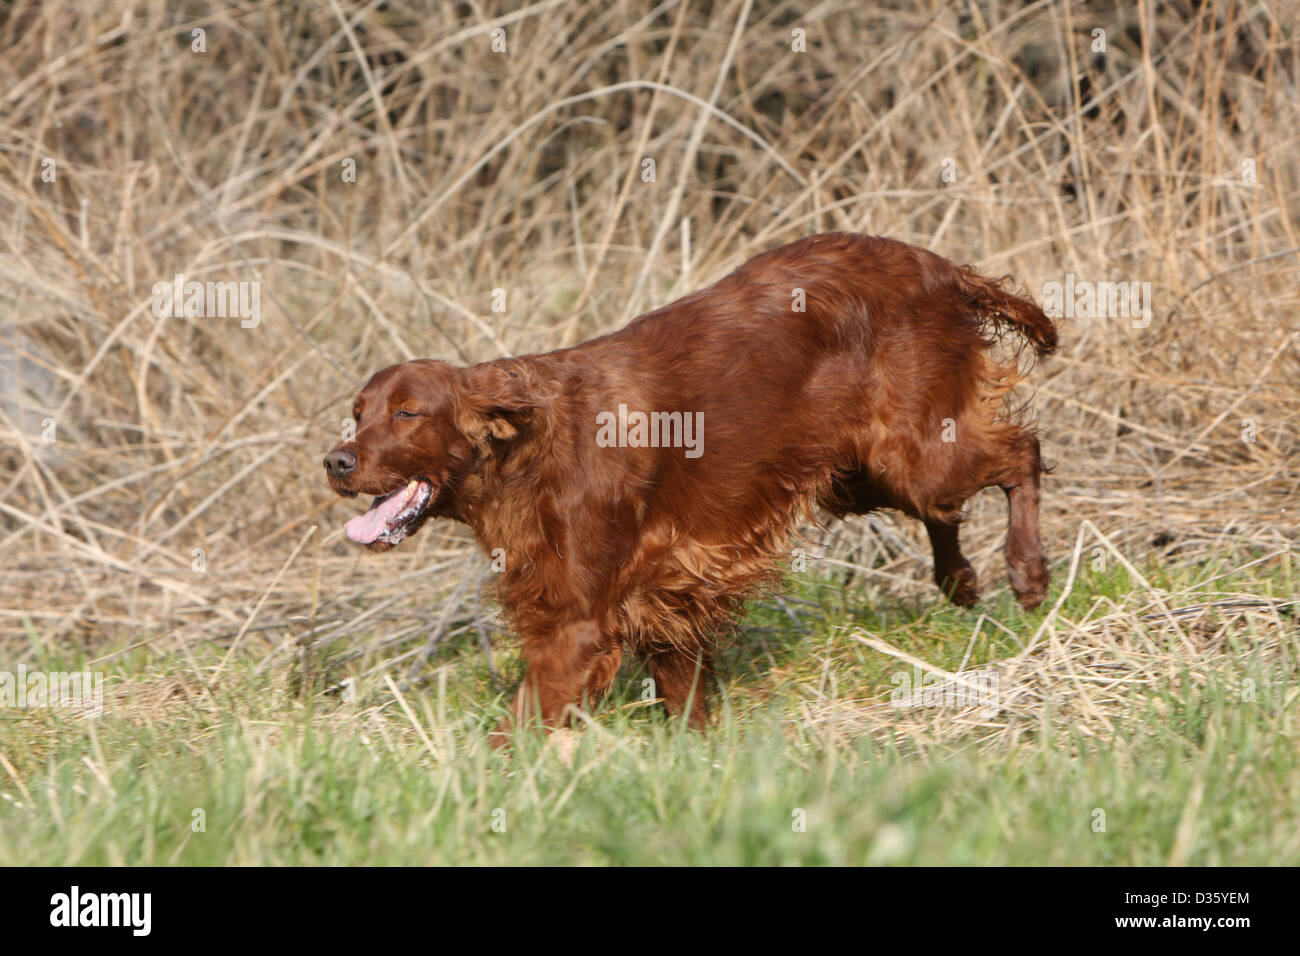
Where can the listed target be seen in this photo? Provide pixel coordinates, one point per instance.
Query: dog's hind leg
(1026, 565)
(952, 572)
(859, 493)
(1007, 456)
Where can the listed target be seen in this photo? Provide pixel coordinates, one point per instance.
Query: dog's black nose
(339, 462)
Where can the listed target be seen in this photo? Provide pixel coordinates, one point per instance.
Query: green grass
(1192, 773)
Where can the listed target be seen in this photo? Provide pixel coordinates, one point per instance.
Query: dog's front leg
(559, 663)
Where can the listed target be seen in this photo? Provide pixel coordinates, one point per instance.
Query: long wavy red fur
(842, 371)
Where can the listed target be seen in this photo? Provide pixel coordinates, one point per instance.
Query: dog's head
(423, 428)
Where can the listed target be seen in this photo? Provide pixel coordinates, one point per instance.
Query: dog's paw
(1029, 579)
(563, 744)
(961, 587)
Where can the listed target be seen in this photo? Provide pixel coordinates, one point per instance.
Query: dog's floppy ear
(497, 399)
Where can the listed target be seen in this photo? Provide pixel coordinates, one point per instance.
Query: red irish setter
(644, 484)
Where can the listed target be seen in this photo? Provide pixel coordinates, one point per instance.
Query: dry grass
(1082, 675)
(522, 170)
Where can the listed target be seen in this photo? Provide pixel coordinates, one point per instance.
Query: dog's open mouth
(393, 516)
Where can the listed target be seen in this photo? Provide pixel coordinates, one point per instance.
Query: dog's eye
(403, 413)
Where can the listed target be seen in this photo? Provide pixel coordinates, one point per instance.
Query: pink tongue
(365, 528)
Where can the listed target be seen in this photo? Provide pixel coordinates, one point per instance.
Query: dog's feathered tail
(1007, 311)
